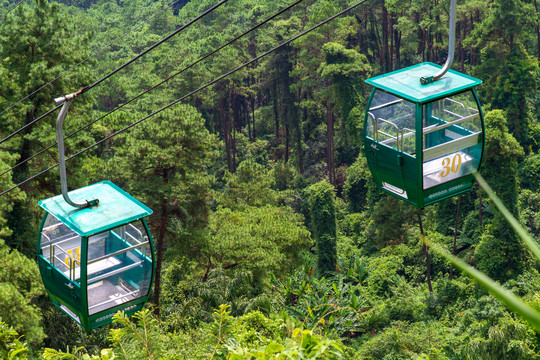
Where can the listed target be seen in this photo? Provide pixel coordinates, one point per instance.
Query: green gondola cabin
(97, 260)
(423, 143)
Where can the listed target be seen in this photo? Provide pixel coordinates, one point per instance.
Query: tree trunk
(374, 32)
(298, 133)
(437, 38)
(537, 32)
(455, 236)
(248, 118)
(330, 143)
(421, 38)
(18, 217)
(463, 32)
(288, 109)
(390, 33)
(397, 36)
(429, 44)
(287, 137)
(473, 50)
(386, 63)
(480, 209)
(426, 252)
(276, 109)
(253, 136)
(226, 132)
(235, 118)
(160, 246)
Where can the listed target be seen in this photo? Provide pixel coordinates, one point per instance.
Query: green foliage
(77, 354)
(6, 161)
(258, 151)
(284, 176)
(179, 309)
(513, 302)
(471, 227)
(165, 162)
(356, 185)
(138, 338)
(323, 221)
(529, 173)
(329, 306)
(516, 83)
(141, 337)
(276, 126)
(500, 163)
(393, 262)
(403, 340)
(344, 68)
(508, 72)
(11, 347)
(351, 230)
(173, 151)
(391, 219)
(529, 205)
(235, 288)
(29, 60)
(260, 239)
(254, 330)
(509, 339)
(28, 52)
(252, 186)
(303, 344)
(499, 253)
(226, 337)
(447, 209)
(20, 285)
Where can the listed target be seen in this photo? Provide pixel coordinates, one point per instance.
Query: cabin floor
(104, 295)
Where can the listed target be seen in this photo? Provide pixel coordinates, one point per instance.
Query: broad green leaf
(529, 241)
(511, 301)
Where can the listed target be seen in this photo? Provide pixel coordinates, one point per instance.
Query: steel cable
(159, 84)
(88, 58)
(13, 8)
(86, 88)
(192, 92)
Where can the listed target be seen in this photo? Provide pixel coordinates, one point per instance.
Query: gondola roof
(115, 208)
(405, 83)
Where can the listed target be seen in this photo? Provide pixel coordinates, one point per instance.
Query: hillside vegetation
(272, 239)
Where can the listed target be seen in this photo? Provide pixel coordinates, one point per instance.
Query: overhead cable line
(86, 88)
(193, 92)
(160, 83)
(154, 46)
(13, 8)
(89, 57)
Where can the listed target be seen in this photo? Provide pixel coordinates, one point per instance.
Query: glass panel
(61, 247)
(391, 121)
(452, 130)
(119, 266)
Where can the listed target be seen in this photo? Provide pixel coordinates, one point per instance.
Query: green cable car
(95, 251)
(424, 134)
(423, 142)
(97, 260)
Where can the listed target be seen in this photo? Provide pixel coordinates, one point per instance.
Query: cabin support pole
(66, 100)
(424, 80)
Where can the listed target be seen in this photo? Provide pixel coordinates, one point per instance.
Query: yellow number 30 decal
(451, 166)
(76, 256)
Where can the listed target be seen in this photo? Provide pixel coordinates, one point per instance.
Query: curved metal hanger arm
(451, 47)
(66, 100)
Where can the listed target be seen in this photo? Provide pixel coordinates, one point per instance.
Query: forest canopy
(272, 240)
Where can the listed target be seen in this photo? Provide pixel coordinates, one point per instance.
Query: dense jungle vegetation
(272, 240)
